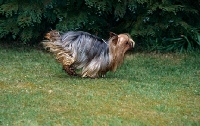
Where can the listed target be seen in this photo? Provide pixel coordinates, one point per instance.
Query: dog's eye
(126, 42)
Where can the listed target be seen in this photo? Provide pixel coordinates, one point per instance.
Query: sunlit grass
(148, 89)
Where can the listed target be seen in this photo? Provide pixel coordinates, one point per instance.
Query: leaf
(198, 39)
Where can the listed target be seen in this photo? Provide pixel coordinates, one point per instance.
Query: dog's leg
(68, 69)
(67, 62)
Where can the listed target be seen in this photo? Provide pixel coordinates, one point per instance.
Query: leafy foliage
(170, 25)
(165, 25)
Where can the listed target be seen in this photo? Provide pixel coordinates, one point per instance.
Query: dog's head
(123, 42)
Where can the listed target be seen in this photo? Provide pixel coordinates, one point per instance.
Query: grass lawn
(148, 89)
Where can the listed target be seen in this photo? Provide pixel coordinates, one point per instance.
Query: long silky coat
(78, 49)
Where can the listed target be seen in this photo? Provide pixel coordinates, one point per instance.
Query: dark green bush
(165, 25)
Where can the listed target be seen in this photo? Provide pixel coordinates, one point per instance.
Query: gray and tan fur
(95, 56)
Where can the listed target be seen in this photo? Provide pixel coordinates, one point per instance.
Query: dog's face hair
(78, 49)
(118, 45)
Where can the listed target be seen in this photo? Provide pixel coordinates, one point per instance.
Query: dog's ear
(114, 40)
(112, 34)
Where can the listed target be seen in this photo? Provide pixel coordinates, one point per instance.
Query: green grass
(148, 89)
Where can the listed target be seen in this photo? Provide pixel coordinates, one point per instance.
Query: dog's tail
(63, 56)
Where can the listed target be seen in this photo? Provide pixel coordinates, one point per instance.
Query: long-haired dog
(78, 49)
